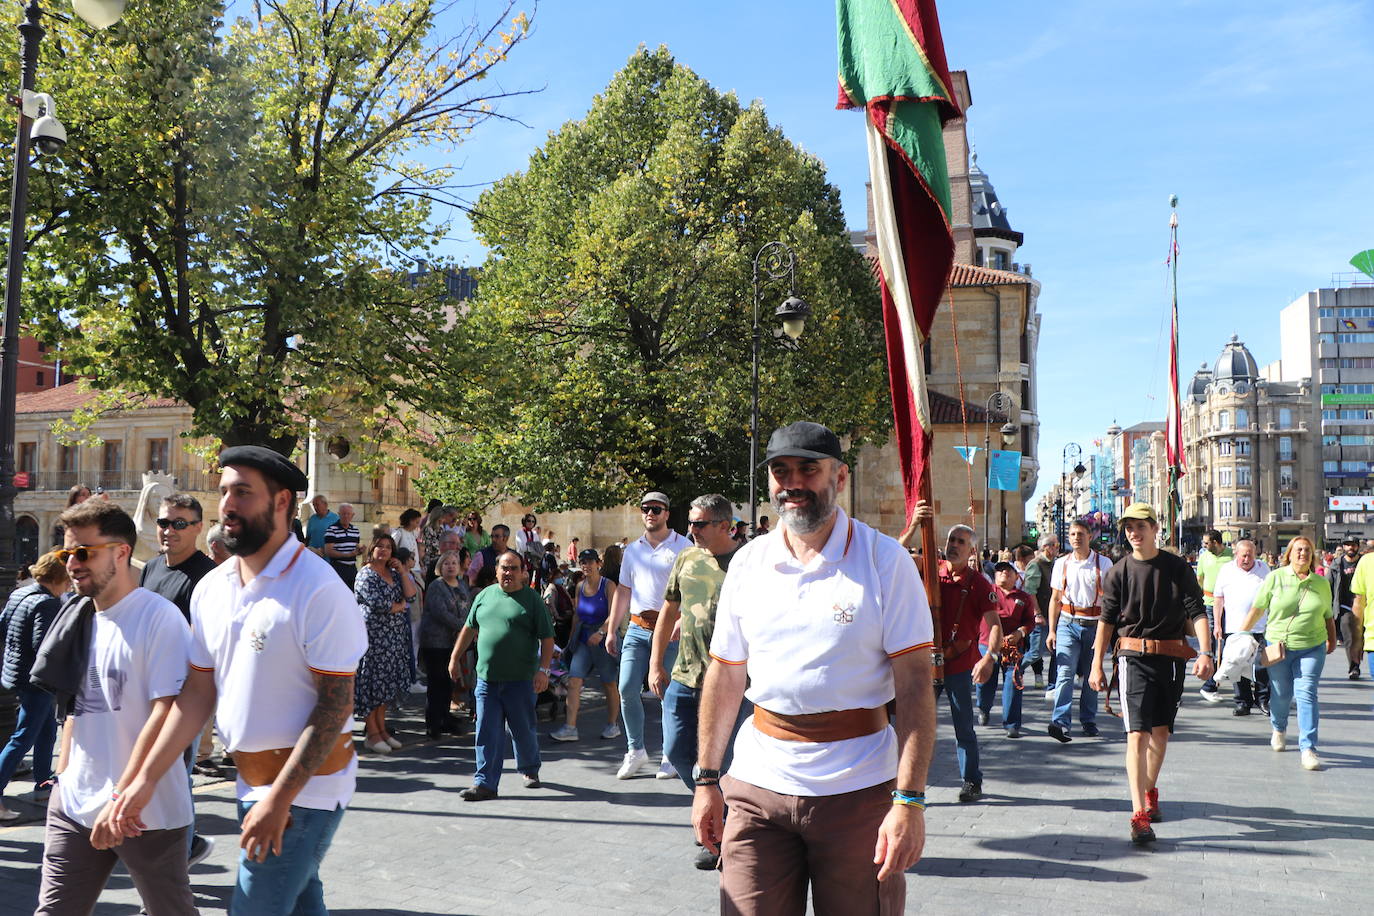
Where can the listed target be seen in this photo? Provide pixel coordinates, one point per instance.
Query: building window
(28, 457)
(1286, 448)
(1242, 446)
(1223, 419)
(1242, 475)
(1224, 447)
(1223, 508)
(1286, 507)
(67, 459)
(1223, 477)
(1242, 507)
(978, 257)
(157, 455)
(1285, 418)
(1242, 418)
(1286, 477)
(40, 379)
(112, 466)
(1000, 259)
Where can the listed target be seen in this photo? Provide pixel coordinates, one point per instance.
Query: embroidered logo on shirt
(844, 613)
(257, 640)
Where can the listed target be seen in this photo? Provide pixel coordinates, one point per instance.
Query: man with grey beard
(825, 622)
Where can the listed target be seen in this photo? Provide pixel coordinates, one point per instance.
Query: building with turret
(1249, 442)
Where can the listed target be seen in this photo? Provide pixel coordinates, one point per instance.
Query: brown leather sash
(260, 768)
(1093, 611)
(839, 725)
(645, 619)
(1175, 648)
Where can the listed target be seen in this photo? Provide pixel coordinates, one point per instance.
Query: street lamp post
(774, 261)
(1076, 451)
(1002, 403)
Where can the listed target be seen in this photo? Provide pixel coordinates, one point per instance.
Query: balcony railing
(114, 480)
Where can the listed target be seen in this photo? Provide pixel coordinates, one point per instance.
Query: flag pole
(1175, 399)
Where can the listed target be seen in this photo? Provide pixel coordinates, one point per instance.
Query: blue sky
(1086, 117)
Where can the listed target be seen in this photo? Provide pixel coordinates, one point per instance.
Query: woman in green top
(1299, 605)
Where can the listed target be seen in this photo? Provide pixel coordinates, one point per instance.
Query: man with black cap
(825, 621)
(643, 578)
(276, 639)
(1341, 574)
(1150, 601)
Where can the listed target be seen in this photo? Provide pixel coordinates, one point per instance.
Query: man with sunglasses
(691, 596)
(137, 662)
(174, 574)
(643, 577)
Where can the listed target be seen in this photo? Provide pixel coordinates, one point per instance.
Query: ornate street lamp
(1001, 403)
(38, 126)
(774, 261)
(1075, 451)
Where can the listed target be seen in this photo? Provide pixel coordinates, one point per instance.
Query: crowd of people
(794, 665)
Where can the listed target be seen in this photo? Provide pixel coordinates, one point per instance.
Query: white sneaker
(394, 742)
(564, 732)
(8, 814)
(666, 770)
(632, 762)
(610, 731)
(1278, 740)
(1310, 760)
(1211, 696)
(201, 847)
(379, 746)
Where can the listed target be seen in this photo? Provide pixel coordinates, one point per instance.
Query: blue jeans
(1297, 676)
(35, 730)
(680, 709)
(501, 704)
(1035, 650)
(959, 689)
(288, 884)
(1073, 657)
(1011, 694)
(634, 668)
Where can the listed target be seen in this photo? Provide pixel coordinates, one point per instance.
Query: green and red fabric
(892, 64)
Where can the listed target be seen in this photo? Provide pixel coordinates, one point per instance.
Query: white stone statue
(156, 487)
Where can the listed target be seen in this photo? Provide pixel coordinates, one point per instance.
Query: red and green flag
(892, 65)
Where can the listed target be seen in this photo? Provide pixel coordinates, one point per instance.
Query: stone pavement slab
(1246, 830)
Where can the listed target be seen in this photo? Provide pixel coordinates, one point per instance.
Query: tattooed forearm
(333, 707)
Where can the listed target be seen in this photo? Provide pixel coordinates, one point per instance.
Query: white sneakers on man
(1278, 740)
(666, 770)
(633, 761)
(1310, 761)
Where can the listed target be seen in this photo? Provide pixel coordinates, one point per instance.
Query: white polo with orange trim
(264, 642)
(818, 638)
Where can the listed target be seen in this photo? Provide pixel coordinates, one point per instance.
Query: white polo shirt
(1237, 588)
(644, 569)
(819, 638)
(263, 641)
(1081, 582)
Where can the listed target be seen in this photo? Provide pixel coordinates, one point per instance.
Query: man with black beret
(276, 639)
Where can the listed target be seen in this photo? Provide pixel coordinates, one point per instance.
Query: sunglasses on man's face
(652, 510)
(176, 524)
(83, 552)
(703, 522)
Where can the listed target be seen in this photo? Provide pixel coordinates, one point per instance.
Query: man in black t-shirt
(1150, 602)
(1340, 574)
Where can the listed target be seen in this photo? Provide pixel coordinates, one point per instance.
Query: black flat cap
(803, 440)
(271, 463)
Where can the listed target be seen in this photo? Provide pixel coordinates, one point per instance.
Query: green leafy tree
(613, 319)
(232, 220)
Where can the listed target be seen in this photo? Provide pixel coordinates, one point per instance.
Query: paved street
(1246, 830)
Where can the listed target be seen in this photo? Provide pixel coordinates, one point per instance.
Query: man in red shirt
(1016, 610)
(967, 604)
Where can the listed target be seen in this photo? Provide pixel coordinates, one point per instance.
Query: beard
(95, 583)
(253, 534)
(811, 516)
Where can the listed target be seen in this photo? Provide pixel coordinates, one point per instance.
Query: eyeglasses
(177, 524)
(703, 522)
(652, 510)
(82, 552)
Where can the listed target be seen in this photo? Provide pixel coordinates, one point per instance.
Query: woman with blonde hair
(1299, 628)
(23, 624)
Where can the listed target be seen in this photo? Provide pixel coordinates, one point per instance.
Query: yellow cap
(1140, 510)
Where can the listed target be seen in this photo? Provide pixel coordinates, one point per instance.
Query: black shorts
(1151, 690)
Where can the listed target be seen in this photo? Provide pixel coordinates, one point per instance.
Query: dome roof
(1197, 388)
(989, 216)
(1235, 362)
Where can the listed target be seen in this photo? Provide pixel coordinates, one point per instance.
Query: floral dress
(384, 672)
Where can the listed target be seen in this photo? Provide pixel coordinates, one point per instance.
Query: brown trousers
(75, 872)
(776, 845)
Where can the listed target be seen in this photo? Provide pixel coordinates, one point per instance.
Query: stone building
(991, 306)
(1249, 444)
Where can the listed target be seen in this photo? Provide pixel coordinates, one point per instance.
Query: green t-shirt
(694, 583)
(1209, 565)
(509, 627)
(1363, 584)
(1298, 608)
(475, 542)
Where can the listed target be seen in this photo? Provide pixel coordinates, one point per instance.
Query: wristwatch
(543, 670)
(705, 777)
(1210, 654)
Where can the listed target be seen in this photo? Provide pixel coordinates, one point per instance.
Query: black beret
(271, 463)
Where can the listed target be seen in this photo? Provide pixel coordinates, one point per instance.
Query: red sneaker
(1141, 831)
(1152, 806)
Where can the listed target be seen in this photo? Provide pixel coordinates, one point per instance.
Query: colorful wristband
(910, 799)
